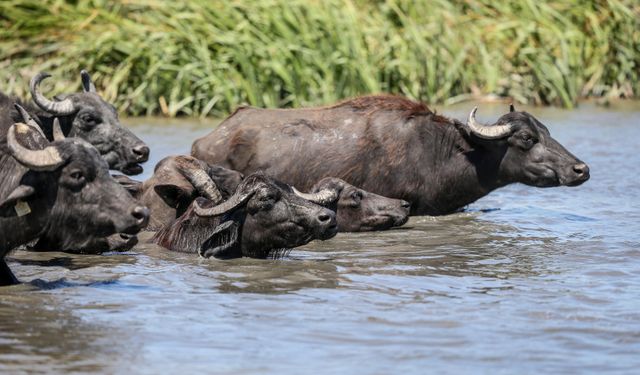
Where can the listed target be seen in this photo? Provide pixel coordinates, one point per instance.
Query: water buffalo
(61, 190)
(84, 115)
(176, 182)
(394, 147)
(358, 210)
(262, 216)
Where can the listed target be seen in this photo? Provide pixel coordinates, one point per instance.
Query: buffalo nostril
(324, 217)
(141, 152)
(141, 214)
(405, 204)
(581, 169)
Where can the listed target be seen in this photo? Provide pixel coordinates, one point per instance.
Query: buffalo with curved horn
(178, 180)
(60, 190)
(394, 147)
(261, 217)
(83, 115)
(357, 210)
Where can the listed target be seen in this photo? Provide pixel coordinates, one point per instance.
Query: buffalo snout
(140, 152)
(327, 224)
(581, 172)
(574, 174)
(140, 216)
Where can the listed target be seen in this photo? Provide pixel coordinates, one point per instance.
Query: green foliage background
(202, 57)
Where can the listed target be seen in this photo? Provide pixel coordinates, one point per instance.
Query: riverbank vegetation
(202, 57)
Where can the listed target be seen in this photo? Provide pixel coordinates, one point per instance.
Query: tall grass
(205, 57)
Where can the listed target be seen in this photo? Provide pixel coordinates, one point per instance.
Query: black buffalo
(61, 190)
(394, 147)
(178, 180)
(262, 216)
(358, 210)
(84, 115)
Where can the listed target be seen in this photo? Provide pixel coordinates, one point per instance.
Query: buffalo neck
(460, 174)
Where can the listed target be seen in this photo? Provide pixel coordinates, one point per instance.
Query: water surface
(526, 280)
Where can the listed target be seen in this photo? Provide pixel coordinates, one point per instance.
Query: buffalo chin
(330, 232)
(575, 182)
(131, 169)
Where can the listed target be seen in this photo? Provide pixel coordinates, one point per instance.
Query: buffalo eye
(527, 141)
(89, 119)
(356, 197)
(76, 179)
(267, 202)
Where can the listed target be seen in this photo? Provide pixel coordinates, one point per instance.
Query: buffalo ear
(132, 186)
(172, 195)
(223, 243)
(14, 204)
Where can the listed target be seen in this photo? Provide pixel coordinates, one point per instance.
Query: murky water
(526, 281)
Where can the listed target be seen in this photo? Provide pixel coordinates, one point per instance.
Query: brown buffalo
(394, 147)
(176, 182)
(358, 210)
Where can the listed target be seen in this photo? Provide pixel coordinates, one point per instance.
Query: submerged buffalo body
(394, 147)
(84, 115)
(261, 217)
(60, 190)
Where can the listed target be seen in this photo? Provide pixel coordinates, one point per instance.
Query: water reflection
(42, 333)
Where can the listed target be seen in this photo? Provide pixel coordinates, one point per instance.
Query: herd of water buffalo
(362, 164)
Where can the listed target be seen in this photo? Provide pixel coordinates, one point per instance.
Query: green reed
(206, 57)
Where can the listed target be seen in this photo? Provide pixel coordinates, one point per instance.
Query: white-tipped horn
(58, 135)
(322, 197)
(26, 117)
(61, 108)
(38, 160)
(487, 132)
(87, 85)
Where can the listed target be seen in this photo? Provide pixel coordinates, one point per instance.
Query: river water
(526, 280)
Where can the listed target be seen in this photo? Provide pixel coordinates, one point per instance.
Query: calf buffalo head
(358, 210)
(527, 152)
(261, 216)
(86, 115)
(67, 191)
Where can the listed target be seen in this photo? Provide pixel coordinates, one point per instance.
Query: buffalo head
(358, 210)
(527, 152)
(261, 216)
(86, 115)
(66, 191)
(176, 182)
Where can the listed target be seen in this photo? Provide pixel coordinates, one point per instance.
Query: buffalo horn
(38, 160)
(234, 201)
(58, 135)
(61, 108)
(322, 197)
(87, 85)
(26, 117)
(487, 132)
(512, 108)
(201, 181)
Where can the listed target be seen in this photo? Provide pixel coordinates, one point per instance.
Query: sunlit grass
(203, 57)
